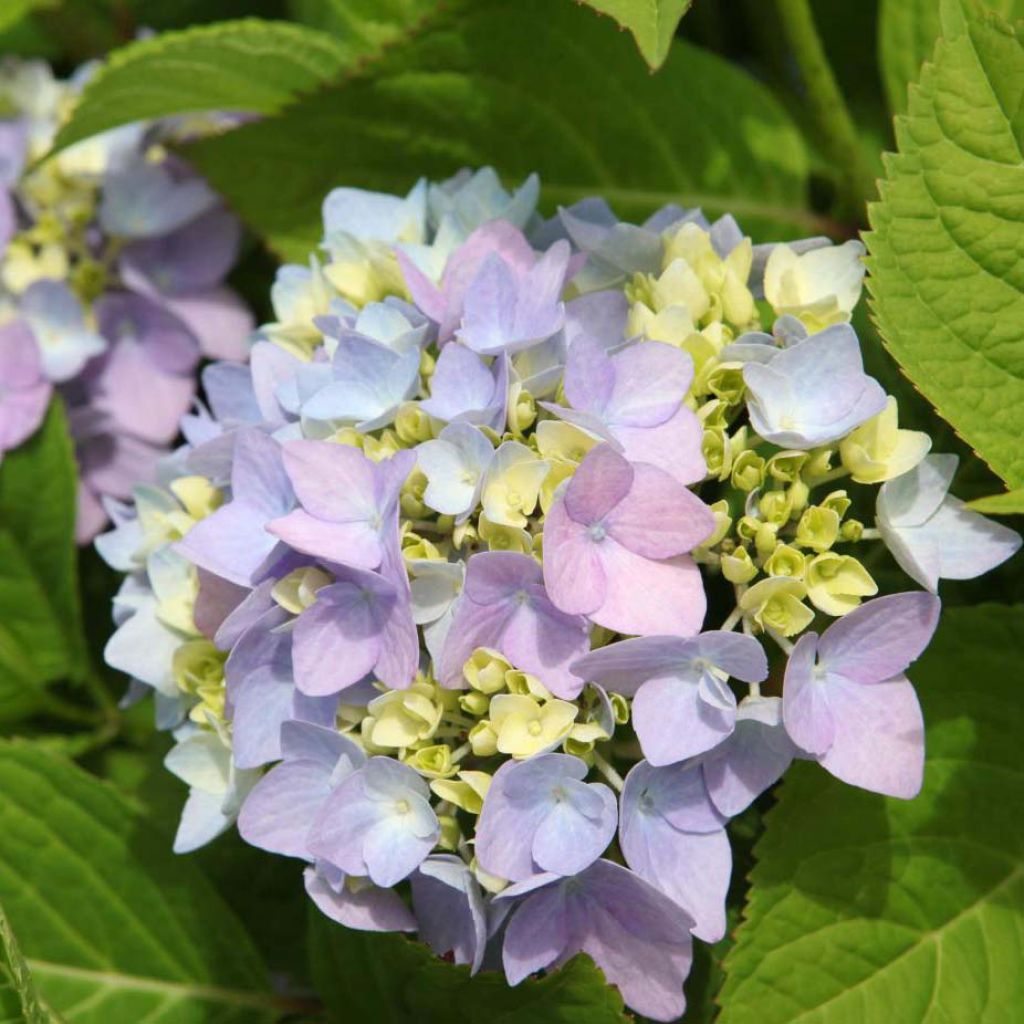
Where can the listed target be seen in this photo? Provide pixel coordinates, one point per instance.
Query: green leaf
(245, 65)
(391, 979)
(32, 646)
(907, 31)
(867, 909)
(16, 976)
(549, 90)
(946, 282)
(114, 927)
(39, 575)
(1009, 504)
(653, 23)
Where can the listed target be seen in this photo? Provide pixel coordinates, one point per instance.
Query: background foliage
(857, 908)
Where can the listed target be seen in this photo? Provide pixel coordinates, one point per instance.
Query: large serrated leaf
(946, 282)
(907, 31)
(247, 65)
(113, 926)
(867, 909)
(652, 23)
(551, 90)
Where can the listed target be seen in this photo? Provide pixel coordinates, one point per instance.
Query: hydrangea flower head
(463, 591)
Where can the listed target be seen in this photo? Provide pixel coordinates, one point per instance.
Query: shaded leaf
(864, 908)
(550, 91)
(391, 979)
(114, 926)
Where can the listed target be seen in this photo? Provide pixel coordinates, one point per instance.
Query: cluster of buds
(112, 258)
(425, 597)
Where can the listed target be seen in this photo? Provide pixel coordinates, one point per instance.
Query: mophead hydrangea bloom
(112, 260)
(522, 556)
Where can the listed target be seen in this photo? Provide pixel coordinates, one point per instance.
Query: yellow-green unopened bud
(404, 717)
(488, 882)
(837, 501)
(417, 549)
(819, 462)
(467, 792)
(435, 762)
(412, 424)
(714, 413)
(786, 560)
(717, 453)
(450, 832)
(818, 528)
(747, 471)
(522, 412)
(726, 382)
(739, 566)
(798, 493)
(852, 530)
(527, 685)
(499, 537)
(485, 670)
(775, 507)
(723, 523)
(474, 703)
(747, 527)
(786, 466)
(297, 591)
(383, 447)
(620, 708)
(464, 533)
(765, 539)
(197, 495)
(483, 739)
(582, 749)
(836, 583)
(777, 604)
(878, 450)
(197, 663)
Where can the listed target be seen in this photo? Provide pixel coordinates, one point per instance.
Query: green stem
(97, 687)
(828, 109)
(57, 707)
(608, 772)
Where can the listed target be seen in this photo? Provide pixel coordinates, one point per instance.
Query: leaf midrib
(117, 981)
